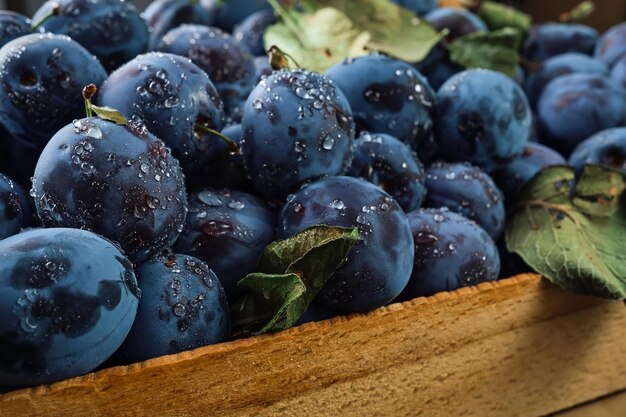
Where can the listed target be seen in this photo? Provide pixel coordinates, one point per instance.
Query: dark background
(608, 13)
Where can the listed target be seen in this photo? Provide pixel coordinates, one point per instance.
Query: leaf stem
(233, 147)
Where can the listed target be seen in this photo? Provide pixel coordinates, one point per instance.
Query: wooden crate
(519, 346)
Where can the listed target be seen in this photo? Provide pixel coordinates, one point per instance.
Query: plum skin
(451, 252)
(379, 265)
(118, 181)
(183, 307)
(68, 298)
(228, 230)
(41, 83)
(297, 126)
(483, 117)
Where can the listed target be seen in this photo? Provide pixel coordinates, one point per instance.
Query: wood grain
(515, 347)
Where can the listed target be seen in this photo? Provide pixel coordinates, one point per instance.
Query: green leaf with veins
(495, 50)
(330, 31)
(573, 238)
(290, 274)
(323, 39)
(108, 113)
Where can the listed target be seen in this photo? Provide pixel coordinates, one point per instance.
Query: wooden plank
(515, 347)
(611, 406)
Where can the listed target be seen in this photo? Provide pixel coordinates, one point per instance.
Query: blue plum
(607, 147)
(172, 96)
(557, 66)
(612, 45)
(11, 209)
(225, 169)
(378, 267)
(467, 190)
(389, 96)
(183, 307)
(511, 177)
(483, 117)
(392, 165)
(451, 252)
(229, 65)
(165, 15)
(316, 312)
(420, 7)
(250, 32)
(41, 82)
(232, 12)
(112, 30)
(68, 298)
(297, 126)
(437, 67)
(12, 26)
(546, 40)
(574, 106)
(118, 181)
(228, 230)
(618, 73)
(262, 68)
(19, 159)
(459, 22)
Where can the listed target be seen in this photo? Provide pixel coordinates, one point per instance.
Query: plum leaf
(573, 234)
(499, 16)
(330, 31)
(318, 40)
(290, 274)
(495, 50)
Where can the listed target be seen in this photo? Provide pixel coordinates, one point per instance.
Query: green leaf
(578, 13)
(495, 50)
(333, 30)
(499, 16)
(290, 274)
(324, 38)
(576, 241)
(394, 30)
(108, 113)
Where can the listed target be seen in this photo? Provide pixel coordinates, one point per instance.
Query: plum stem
(88, 92)
(233, 147)
(55, 11)
(278, 58)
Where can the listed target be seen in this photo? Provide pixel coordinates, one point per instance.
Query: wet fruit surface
(229, 65)
(41, 80)
(228, 230)
(297, 126)
(393, 166)
(112, 30)
(174, 98)
(119, 181)
(183, 306)
(467, 190)
(389, 96)
(67, 299)
(450, 252)
(483, 117)
(379, 265)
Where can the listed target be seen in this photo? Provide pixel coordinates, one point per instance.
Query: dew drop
(337, 204)
(328, 143)
(179, 310)
(236, 205)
